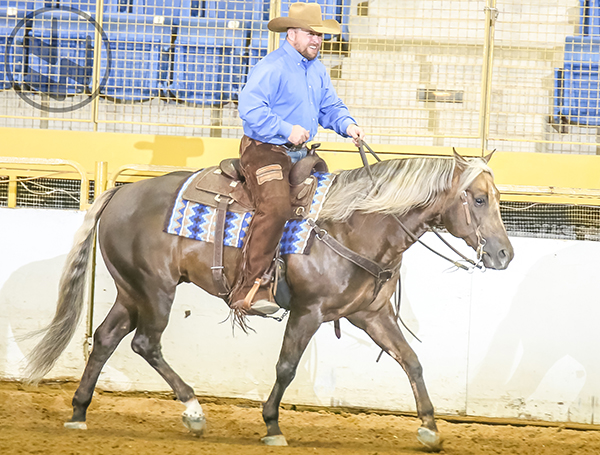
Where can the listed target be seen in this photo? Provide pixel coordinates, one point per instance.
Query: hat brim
(281, 24)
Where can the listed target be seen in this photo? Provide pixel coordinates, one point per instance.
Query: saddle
(223, 187)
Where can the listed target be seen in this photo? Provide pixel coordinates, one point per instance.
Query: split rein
(383, 275)
(480, 240)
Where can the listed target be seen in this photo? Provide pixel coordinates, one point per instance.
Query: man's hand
(299, 135)
(355, 132)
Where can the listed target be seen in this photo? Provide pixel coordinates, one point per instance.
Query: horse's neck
(380, 237)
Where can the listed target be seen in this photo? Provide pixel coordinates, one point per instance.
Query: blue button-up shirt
(286, 89)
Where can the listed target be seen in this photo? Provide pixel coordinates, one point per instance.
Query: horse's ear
(460, 161)
(488, 157)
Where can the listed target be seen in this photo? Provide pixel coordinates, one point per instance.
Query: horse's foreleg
(146, 343)
(298, 332)
(383, 329)
(118, 323)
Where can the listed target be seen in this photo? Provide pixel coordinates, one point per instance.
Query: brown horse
(377, 216)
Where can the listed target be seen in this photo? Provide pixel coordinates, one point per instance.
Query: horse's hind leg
(383, 329)
(146, 343)
(298, 332)
(118, 323)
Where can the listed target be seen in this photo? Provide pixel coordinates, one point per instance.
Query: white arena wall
(520, 343)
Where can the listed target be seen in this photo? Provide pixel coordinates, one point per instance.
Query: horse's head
(473, 212)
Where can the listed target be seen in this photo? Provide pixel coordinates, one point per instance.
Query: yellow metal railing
(134, 172)
(23, 169)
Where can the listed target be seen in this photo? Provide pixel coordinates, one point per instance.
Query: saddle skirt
(194, 212)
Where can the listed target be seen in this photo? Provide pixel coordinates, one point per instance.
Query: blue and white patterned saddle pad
(197, 221)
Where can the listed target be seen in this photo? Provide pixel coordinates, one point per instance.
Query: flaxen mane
(400, 185)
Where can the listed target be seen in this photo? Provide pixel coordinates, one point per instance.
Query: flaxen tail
(71, 295)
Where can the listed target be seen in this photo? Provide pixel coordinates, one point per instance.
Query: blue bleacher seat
(140, 34)
(139, 59)
(259, 43)
(60, 53)
(86, 6)
(11, 13)
(590, 17)
(209, 60)
(577, 91)
(240, 10)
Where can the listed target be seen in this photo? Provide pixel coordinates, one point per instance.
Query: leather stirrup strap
(219, 277)
(251, 293)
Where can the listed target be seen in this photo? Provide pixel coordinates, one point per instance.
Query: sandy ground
(31, 422)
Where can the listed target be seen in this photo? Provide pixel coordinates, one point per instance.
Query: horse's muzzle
(499, 259)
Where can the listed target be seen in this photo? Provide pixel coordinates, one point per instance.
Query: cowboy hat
(306, 16)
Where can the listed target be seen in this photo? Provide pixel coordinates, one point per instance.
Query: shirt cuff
(285, 130)
(344, 126)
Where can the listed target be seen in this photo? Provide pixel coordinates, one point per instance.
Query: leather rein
(480, 240)
(383, 275)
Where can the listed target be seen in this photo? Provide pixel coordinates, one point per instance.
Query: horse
(376, 213)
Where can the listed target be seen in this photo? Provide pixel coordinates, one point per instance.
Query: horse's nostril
(502, 254)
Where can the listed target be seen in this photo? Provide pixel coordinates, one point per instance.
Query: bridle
(480, 239)
(469, 218)
(382, 275)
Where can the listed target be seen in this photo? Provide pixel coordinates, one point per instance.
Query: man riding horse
(288, 95)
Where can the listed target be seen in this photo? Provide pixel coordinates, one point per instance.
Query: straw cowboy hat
(306, 16)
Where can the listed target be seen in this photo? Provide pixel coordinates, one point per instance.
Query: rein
(481, 240)
(383, 275)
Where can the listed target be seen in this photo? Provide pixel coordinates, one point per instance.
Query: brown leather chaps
(266, 168)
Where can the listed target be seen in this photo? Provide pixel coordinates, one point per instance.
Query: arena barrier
(518, 343)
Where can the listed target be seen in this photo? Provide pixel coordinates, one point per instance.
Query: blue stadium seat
(60, 54)
(140, 34)
(259, 43)
(577, 90)
(139, 59)
(590, 17)
(209, 61)
(240, 10)
(11, 13)
(86, 6)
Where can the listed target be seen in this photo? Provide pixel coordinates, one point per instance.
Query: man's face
(306, 42)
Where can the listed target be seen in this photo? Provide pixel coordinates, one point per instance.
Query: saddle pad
(197, 221)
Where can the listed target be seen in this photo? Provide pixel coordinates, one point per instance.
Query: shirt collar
(296, 56)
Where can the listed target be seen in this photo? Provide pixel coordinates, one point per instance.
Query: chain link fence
(506, 74)
(513, 75)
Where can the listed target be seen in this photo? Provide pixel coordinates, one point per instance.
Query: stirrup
(261, 307)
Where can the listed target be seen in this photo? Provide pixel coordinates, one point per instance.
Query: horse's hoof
(196, 424)
(76, 425)
(430, 439)
(275, 440)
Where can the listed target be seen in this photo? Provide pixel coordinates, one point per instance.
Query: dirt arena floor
(31, 422)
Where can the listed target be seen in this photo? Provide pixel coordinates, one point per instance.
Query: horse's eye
(479, 201)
